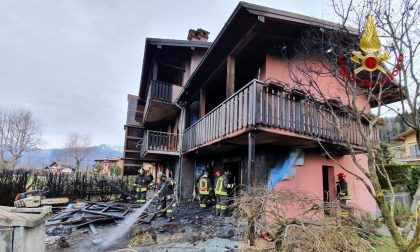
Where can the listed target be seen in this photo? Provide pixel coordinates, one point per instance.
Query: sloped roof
(403, 136)
(239, 25)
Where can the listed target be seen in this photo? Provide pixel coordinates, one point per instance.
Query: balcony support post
(251, 158)
(202, 102)
(230, 76)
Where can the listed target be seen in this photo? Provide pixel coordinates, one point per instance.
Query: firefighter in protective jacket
(166, 195)
(343, 194)
(204, 188)
(142, 183)
(224, 187)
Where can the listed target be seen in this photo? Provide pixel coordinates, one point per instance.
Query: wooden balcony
(160, 102)
(159, 146)
(277, 116)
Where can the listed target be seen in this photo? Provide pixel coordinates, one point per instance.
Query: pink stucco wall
(309, 178)
(278, 68)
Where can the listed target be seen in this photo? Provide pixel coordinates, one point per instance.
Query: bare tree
(78, 147)
(19, 132)
(332, 55)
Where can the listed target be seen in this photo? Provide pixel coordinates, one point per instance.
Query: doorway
(328, 187)
(235, 169)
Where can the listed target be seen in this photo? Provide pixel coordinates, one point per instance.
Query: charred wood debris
(92, 220)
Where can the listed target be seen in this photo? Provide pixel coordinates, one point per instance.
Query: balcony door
(235, 168)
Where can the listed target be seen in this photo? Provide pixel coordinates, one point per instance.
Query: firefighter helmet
(141, 171)
(341, 175)
(228, 173)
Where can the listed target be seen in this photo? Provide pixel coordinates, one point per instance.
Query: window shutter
(413, 151)
(417, 150)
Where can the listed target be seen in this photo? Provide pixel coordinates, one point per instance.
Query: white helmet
(141, 171)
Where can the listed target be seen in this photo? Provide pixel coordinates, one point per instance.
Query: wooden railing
(257, 104)
(159, 141)
(160, 91)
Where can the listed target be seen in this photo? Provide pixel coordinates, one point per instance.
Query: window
(414, 151)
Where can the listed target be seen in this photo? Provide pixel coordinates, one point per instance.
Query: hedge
(74, 185)
(404, 177)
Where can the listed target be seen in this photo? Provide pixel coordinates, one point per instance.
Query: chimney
(198, 35)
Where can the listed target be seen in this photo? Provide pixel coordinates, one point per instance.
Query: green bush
(401, 213)
(414, 181)
(404, 177)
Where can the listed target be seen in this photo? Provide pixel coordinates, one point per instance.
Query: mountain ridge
(38, 158)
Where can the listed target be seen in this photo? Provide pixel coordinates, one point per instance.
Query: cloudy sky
(73, 62)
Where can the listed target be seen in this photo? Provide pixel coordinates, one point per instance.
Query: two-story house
(154, 120)
(233, 106)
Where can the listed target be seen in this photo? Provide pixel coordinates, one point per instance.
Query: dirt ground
(192, 229)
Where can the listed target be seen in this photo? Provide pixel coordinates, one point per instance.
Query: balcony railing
(256, 104)
(160, 91)
(159, 142)
(160, 102)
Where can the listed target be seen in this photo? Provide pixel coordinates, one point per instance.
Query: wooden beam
(245, 40)
(251, 158)
(230, 76)
(202, 102)
(172, 66)
(155, 71)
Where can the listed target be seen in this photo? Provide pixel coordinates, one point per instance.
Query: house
(107, 163)
(412, 150)
(213, 106)
(59, 167)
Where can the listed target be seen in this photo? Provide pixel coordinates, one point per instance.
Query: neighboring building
(134, 131)
(412, 150)
(213, 106)
(58, 167)
(107, 163)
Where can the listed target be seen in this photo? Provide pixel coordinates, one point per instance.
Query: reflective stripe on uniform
(217, 206)
(169, 211)
(223, 207)
(203, 205)
(203, 187)
(141, 189)
(140, 201)
(219, 187)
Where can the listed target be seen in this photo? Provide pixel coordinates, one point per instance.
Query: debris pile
(82, 214)
(86, 226)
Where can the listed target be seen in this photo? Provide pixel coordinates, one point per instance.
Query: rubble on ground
(84, 226)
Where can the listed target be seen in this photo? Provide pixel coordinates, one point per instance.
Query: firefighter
(142, 184)
(224, 187)
(151, 180)
(166, 195)
(342, 193)
(204, 188)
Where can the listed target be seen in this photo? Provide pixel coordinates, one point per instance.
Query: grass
(384, 244)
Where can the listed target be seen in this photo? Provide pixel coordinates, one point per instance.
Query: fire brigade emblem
(371, 58)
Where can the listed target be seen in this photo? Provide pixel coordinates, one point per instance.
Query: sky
(73, 62)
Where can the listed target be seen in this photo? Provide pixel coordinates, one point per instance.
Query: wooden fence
(73, 185)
